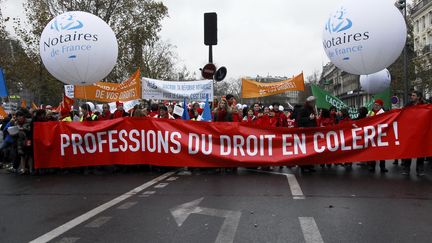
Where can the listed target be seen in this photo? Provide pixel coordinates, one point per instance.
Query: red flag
(64, 107)
(66, 103)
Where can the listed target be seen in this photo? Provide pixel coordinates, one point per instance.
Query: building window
(423, 22)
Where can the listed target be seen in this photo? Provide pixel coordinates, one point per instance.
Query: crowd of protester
(16, 150)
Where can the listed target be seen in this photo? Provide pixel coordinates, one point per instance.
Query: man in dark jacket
(416, 99)
(307, 115)
(307, 118)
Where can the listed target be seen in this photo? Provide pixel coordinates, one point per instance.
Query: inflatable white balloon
(364, 37)
(78, 48)
(375, 83)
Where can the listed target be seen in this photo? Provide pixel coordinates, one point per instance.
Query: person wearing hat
(87, 114)
(279, 115)
(377, 108)
(307, 117)
(120, 112)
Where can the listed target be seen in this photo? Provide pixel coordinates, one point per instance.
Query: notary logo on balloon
(66, 22)
(338, 22)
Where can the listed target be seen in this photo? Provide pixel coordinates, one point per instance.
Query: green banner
(325, 100)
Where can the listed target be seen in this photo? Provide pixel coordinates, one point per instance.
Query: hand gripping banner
(396, 134)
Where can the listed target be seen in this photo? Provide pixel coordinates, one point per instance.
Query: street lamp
(401, 5)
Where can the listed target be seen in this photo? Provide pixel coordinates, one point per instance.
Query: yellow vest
(93, 117)
(67, 119)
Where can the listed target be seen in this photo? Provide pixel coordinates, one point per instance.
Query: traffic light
(401, 4)
(210, 29)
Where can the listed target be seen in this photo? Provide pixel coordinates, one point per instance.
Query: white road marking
(98, 222)
(229, 226)
(173, 178)
(185, 172)
(68, 240)
(127, 205)
(295, 188)
(80, 219)
(147, 194)
(161, 185)
(310, 230)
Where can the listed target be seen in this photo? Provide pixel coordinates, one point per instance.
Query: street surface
(280, 205)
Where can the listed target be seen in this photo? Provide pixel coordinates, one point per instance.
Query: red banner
(398, 134)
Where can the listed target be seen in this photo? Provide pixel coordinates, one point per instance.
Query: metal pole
(358, 94)
(405, 54)
(210, 54)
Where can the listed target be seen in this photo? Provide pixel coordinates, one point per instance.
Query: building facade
(343, 85)
(421, 17)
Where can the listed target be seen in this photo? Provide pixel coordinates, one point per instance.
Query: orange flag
(129, 89)
(253, 89)
(3, 113)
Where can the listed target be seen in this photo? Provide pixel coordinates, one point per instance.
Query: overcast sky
(265, 37)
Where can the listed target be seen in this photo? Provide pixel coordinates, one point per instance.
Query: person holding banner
(195, 112)
(120, 112)
(266, 118)
(163, 113)
(65, 115)
(106, 113)
(416, 99)
(280, 115)
(377, 107)
(325, 119)
(87, 114)
(377, 110)
(307, 117)
(223, 113)
(256, 109)
(237, 114)
(250, 118)
(344, 116)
